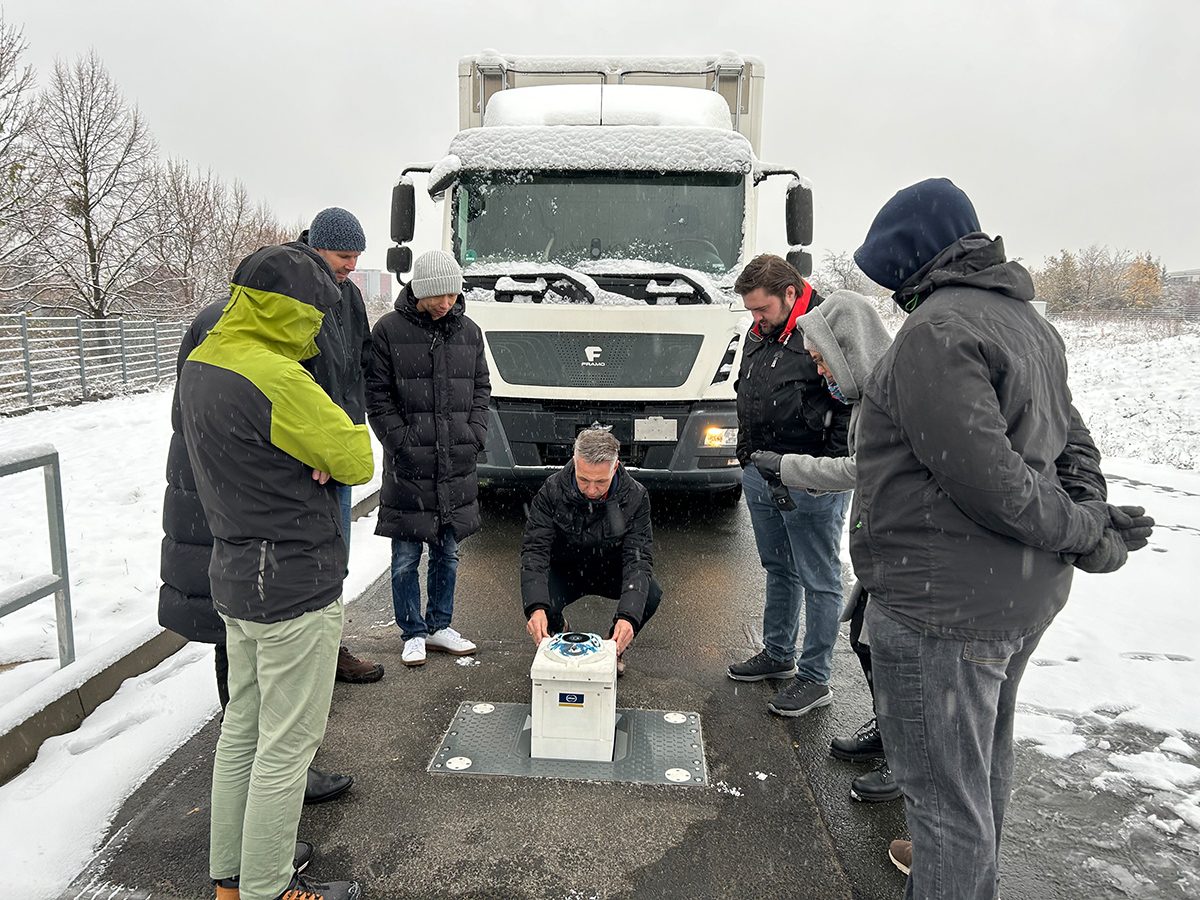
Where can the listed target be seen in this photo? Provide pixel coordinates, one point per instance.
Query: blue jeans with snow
(439, 584)
(799, 551)
(945, 708)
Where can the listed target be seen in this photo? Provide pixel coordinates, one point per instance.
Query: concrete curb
(61, 703)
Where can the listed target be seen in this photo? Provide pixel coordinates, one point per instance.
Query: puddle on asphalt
(1079, 827)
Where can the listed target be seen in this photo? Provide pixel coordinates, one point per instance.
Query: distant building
(376, 286)
(1185, 276)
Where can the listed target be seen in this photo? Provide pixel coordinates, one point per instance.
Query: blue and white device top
(576, 644)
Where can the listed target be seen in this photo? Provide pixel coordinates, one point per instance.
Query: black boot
(876, 786)
(865, 744)
(322, 786)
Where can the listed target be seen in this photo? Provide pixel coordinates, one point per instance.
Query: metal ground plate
(652, 746)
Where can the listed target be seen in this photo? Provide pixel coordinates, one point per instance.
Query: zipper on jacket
(262, 568)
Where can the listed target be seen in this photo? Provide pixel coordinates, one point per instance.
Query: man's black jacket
(568, 531)
(783, 403)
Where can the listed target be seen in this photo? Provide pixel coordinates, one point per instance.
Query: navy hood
(912, 228)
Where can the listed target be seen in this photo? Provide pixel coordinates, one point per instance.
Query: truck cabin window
(691, 220)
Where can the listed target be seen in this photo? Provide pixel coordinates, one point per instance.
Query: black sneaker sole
(861, 756)
(772, 676)
(876, 798)
(369, 678)
(793, 713)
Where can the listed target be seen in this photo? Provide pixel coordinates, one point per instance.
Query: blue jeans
(799, 551)
(439, 584)
(945, 708)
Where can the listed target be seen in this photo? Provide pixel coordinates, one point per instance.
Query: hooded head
(912, 228)
(849, 335)
(278, 296)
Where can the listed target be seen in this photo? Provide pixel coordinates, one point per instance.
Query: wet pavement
(775, 822)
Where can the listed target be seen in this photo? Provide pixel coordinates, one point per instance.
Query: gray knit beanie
(435, 273)
(336, 229)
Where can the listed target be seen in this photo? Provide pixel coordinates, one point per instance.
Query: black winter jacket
(427, 401)
(566, 530)
(972, 461)
(345, 344)
(783, 403)
(185, 602)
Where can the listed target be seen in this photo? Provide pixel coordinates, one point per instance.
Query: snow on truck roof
(579, 148)
(613, 104)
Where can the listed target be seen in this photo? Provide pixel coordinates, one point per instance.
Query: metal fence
(48, 360)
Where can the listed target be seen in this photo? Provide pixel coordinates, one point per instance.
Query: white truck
(601, 208)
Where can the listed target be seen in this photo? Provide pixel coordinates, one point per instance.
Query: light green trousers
(280, 685)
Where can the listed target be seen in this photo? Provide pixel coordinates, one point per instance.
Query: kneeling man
(589, 533)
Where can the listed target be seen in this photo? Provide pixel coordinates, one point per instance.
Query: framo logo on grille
(591, 353)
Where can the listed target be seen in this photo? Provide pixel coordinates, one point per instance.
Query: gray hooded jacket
(851, 338)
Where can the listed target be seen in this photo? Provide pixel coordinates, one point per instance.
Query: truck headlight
(720, 437)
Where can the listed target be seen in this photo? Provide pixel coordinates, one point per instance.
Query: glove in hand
(767, 462)
(1132, 523)
(1110, 554)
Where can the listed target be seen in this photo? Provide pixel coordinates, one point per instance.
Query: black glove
(1110, 554)
(767, 462)
(1132, 523)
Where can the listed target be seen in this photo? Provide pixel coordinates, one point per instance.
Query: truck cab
(601, 209)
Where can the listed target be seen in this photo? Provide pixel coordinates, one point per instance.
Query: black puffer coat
(568, 531)
(427, 401)
(185, 603)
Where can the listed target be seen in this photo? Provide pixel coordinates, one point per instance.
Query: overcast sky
(1067, 122)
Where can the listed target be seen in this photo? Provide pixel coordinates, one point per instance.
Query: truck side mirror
(801, 260)
(399, 259)
(404, 212)
(799, 214)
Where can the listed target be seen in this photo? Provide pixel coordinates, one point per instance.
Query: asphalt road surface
(775, 821)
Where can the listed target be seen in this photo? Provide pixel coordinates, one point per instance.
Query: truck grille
(603, 359)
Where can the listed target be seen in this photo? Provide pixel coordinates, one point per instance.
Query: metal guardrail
(48, 360)
(56, 582)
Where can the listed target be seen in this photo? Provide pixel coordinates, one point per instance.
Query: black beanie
(336, 229)
(912, 228)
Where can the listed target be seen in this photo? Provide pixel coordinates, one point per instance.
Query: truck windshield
(692, 219)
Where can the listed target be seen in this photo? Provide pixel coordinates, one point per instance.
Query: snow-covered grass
(1123, 651)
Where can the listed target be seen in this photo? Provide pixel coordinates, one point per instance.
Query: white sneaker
(450, 641)
(414, 652)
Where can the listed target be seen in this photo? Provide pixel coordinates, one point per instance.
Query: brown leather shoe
(620, 664)
(900, 852)
(353, 670)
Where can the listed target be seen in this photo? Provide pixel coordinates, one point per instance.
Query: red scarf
(799, 308)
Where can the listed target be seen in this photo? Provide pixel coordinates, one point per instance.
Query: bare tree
(91, 219)
(16, 86)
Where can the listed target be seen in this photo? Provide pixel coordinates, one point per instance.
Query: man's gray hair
(597, 445)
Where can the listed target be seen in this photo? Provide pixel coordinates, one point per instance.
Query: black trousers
(604, 580)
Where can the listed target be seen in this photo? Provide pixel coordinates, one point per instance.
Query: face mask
(834, 391)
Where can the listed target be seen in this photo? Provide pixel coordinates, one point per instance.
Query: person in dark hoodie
(978, 490)
(845, 338)
(264, 440)
(340, 368)
(589, 532)
(427, 400)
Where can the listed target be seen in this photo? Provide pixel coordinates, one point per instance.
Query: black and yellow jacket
(256, 426)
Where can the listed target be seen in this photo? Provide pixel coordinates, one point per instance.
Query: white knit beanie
(435, 273)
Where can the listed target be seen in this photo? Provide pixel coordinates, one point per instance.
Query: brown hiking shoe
(353, 670)
(900, 852)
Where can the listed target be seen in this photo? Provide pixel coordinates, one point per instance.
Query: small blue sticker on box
(570, 699)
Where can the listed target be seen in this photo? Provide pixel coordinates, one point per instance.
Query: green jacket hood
(277, 297)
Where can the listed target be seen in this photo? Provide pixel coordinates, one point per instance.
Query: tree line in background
(92, 221)
(1094, 280)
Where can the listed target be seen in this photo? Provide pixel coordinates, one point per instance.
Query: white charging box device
(574, 706)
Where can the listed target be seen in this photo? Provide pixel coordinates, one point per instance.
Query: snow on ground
(1124, 651)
